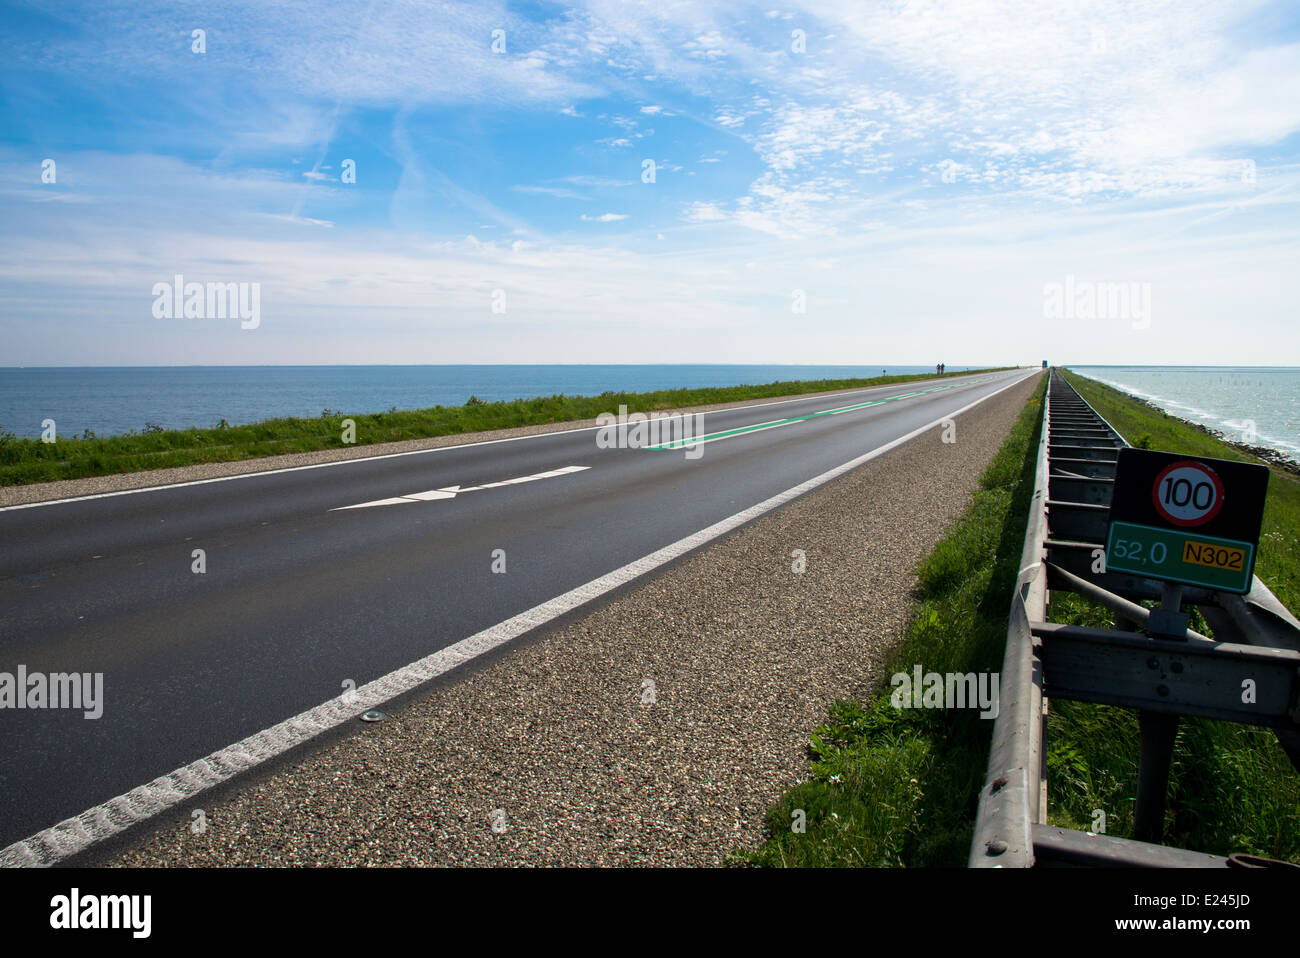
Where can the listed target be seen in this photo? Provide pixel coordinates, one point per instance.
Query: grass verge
(892, 786)
(31, 460)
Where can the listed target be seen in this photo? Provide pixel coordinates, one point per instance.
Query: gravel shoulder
(93, 485)
(745, 656)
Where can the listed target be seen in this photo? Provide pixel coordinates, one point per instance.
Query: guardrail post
(1157, 730)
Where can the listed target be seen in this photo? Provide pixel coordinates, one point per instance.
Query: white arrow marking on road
(450, 492)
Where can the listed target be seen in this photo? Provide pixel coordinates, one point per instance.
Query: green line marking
(741, 430)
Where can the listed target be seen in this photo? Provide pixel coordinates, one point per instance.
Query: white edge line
(74, 835)
(388, 455)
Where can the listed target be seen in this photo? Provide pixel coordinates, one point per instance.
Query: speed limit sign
(1187, 493)
(1186, 519)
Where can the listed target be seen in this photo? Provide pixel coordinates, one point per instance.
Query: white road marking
(388, 455)
(450, 492)
(74, 835)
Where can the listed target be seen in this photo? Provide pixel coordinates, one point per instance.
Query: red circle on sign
(1188, 513)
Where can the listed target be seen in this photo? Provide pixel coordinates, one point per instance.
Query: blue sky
(916, 173)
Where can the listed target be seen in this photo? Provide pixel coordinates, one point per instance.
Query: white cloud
(389, 53)
(76, 283)
(1066, 101)
(704, 213)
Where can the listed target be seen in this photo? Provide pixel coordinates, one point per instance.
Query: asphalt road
(301, 594)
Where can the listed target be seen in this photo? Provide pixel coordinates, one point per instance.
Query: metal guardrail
(1163, 677)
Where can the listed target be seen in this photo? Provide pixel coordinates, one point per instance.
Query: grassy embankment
(900, 787)
(30, 460)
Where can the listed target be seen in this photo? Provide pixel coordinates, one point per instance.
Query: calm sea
(1236, 400)
(112, 400)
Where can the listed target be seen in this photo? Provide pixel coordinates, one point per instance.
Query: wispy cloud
(920, 169)
(559, 192)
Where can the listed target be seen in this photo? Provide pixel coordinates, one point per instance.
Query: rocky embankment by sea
(1268, 454)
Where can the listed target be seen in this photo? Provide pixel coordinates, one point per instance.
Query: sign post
(1186, 519)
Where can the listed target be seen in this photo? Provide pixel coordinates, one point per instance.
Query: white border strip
(74, 835)
(395, 455)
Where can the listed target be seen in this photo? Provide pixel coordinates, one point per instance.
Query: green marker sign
(1214, 563)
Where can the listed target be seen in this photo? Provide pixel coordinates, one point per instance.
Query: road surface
(320, 577)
